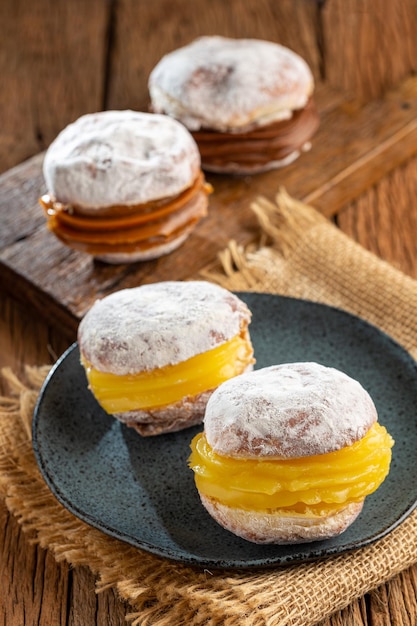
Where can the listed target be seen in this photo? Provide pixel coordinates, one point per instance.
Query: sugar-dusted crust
(150, 326)
(120, 158)
(226, 84)
(189, 411)
(286, 411)
(273, 527)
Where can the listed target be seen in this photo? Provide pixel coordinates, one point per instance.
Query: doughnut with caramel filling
(289, 453)
(154, 354)
(124, 186)
(248, 103)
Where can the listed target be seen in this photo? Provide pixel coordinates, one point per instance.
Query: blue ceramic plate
(141, 491)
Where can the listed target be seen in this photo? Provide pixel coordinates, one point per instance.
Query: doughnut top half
(229, 84)
(288, 411)
(148, 327)
(120, 158)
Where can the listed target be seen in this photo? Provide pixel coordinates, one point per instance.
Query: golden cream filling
(169, 384)
(316, 485)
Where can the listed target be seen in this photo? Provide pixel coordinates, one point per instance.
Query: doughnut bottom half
(156, 251)
(270, 527)
(229, 167)
(187, 412)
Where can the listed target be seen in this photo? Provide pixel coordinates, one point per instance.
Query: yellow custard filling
(315, 485)
(169, 384)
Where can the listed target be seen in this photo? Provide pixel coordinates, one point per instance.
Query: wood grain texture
(34, 588)
(164, 25)
(390, 234)
(52, 64)
(353, 149)
(38, 591)
(368, 46)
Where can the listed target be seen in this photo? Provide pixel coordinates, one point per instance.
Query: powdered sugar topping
(154, 325)
(226, 84)
(120, 157)
(289, 410)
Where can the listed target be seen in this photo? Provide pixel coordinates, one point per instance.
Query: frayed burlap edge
(306, 256)
(163, 593)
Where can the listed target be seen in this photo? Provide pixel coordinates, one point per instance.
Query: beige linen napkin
(301, 255)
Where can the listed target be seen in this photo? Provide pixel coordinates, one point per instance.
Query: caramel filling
(145, 226)
(261, 144)
(170, 384)
(311, 486)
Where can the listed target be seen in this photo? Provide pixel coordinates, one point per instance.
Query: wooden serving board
(355, 146)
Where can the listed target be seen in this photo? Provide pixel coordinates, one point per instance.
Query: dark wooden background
(60, 59)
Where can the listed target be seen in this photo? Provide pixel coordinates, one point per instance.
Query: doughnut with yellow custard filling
(153, 354)
(289, 453)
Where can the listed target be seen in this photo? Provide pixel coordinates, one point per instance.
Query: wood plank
(168, 24)
(346, 158)
(52, 64)
(24, 337)
(388, 210)
(368, 46)
(43, 584)
(36, 590)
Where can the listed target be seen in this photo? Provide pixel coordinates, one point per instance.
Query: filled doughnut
(289, 453)
(124, 186)
(248, 102)
(154, 354)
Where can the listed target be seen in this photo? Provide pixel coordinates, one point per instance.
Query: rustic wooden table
(59, 60)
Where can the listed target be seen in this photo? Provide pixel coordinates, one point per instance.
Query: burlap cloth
(302, 254)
